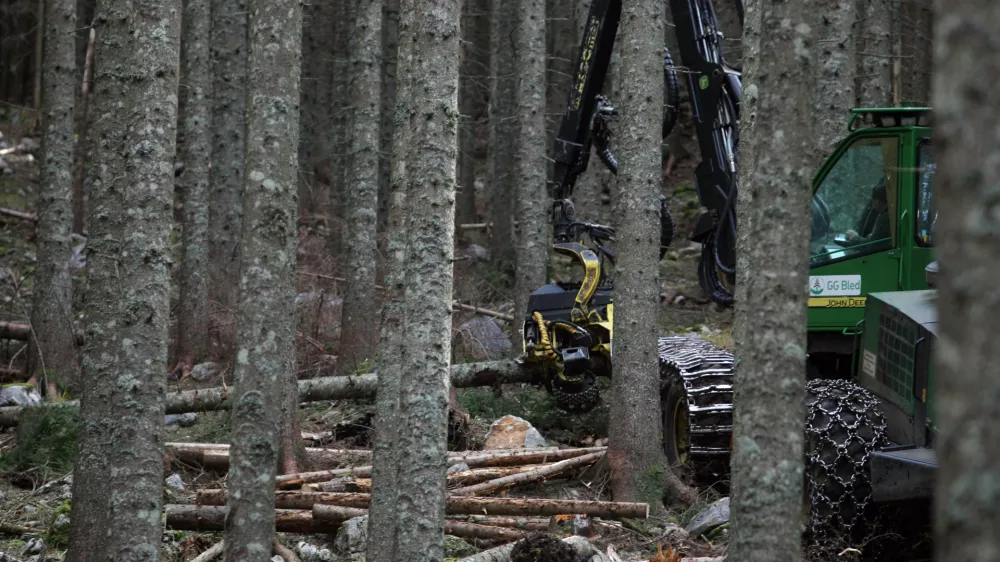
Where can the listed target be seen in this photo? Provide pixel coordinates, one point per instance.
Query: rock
(30, 508)
(352, 536)
(671, 534)
(34, 546)
(205, 371)
(4, 167)
(512, 432)
(717, 514)
(19, 395)
(184, 420)
(476, 253)
(481, 338)
(277, 558)
(457, 468)
(455, 547)
(176, 482)
(77, 259)
(310, 553)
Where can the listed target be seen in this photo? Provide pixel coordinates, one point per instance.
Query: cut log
(538, 524)
(346, 484)
(477, 475)
(474, 531)
(466, 375)
(284, 552)
(518, 458)
(527, 477)
(213, 518)
(458, 505)
(584, 551)
(18, 331)
(212, 553)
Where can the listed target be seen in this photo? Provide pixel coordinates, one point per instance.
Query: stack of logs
(320, 501)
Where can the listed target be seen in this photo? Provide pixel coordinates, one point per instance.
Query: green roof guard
(889, 117)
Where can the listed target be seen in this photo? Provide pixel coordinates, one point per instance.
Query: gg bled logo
(835, 285)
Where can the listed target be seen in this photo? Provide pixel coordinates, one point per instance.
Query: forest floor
(34, 489)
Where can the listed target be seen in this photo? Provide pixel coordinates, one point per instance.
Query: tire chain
(844, 426)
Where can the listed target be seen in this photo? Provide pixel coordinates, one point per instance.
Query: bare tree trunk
(83, 143)
(382, 542)
(744, 203)
(225, 216)
(474, 65)
(135, 485)
(105, 221)
(500, 185)
(53, 345)
(635, 455)
(532, 232)
(265, 364)
(390, 46)
(360, 324)
(874, 84)
(333, 145)
(316, 121)
(968, 246)
(770, 413)
(835, 72)
(431, 177)
(195, 144)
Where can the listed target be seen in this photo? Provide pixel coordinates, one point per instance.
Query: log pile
(320, 501)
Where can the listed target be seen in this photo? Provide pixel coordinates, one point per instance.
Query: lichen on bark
(265, 363)
(767, 464)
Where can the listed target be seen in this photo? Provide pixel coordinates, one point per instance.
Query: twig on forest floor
(212, 553)
(285, 552)
(10, 528)
(18, 214)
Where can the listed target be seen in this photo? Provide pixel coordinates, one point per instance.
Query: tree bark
(225, 216)
(135, 485)
(770, 413)
(390, 48)
(835, 70)
(265, 404)
(874, 84)
(105, 223)
(471, 108)
(194, 141)
(968, 247)
(359, 333)
(744, 203)
(52, 351)
(532, 232)
(500, 184)
(382, 539)
(635, 455)
(83, 142)
(430, 226)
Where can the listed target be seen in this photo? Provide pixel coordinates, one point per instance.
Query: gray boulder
(205, 371)
(184, 420)
(716, 515)
(19, 395)
(481, 338)
(352, 537)
(176, 482)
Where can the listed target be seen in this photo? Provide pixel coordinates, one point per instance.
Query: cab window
(926, 203)
(854, 207)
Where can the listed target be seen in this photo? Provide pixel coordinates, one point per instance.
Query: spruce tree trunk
(360, 325)
(874, 85)
(500, 185)
(835, 73)
(53, 345)
(332, 142)
(105, 223)
(382, 531)
(194, 139)
(225, 216)
(531, 158)
(265, 363)
(316, 121)
(770, 413)
(474, 65)
(744, 203)
(967, 370)
(390, 45)
(430, 226)
(135, 485)
(635, 455)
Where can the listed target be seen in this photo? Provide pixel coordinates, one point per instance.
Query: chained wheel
(676, 435)
(584, 397)
(843, 428)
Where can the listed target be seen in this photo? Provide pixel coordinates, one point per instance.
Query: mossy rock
(58, 535)
(455, 548)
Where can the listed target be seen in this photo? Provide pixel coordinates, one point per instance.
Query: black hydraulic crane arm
(714, 89)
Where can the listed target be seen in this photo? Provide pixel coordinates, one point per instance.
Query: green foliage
(46, 441)
(212, 427)
(539, 408)
(58, 535)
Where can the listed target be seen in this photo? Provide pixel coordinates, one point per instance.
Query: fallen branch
(212, 553)
(284, 552)
(461, 505)
(477, 475)
(474, 531)
(31, 217)
(213, 518)
(522, 523)
(18, 331)
(466, 375)
(528, 477)
(483, 311)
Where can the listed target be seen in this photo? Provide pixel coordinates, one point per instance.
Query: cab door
(918, 221)
(842, 272)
